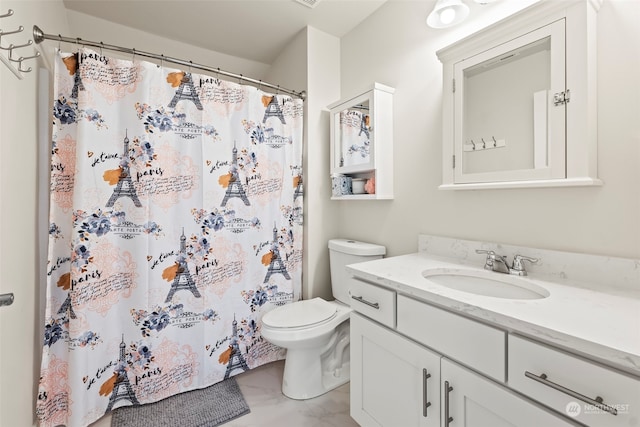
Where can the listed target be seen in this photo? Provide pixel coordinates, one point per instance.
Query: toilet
(315, 332)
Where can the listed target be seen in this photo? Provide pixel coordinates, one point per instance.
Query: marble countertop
(600, 325)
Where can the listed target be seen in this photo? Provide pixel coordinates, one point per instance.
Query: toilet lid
(301, 313)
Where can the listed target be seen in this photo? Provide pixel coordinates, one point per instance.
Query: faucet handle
(517, 267)
(484, 251)
(491, 257)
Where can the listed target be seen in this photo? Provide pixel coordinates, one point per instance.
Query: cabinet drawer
(566, 383)
(471, 343)
(374, 302)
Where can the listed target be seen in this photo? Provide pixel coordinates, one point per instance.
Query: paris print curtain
(175, 224)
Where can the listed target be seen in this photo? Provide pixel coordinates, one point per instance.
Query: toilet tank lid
(354, 247)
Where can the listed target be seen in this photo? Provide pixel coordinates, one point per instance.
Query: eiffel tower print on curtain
(122, 389)
(183, 279)
(67, 308)
(276, 265)
(187, 91)
(235, 189)
(273, 110)
(236, 359)
(125, 187)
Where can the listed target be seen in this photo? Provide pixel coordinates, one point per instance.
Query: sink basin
(486, 283)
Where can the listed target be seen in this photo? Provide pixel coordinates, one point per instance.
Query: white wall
(395, 47)
(20, 273)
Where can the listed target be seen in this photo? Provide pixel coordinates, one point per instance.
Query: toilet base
(303, 376)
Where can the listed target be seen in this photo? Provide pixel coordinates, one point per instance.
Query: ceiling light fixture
(447, 13)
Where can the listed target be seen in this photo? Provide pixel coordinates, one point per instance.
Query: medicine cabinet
(519, 101)
(361, 129)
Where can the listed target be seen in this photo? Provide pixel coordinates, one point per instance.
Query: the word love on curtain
(175, 224)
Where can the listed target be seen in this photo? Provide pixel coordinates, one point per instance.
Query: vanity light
(447, 13)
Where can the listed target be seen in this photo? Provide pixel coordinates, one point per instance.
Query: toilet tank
(343, 252)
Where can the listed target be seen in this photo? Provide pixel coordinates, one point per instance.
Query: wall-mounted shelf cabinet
(519, 101)
(362, 140)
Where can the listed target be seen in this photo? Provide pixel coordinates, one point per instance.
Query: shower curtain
(175, 224)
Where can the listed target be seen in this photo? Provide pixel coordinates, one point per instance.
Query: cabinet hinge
(561, 97)
(454, 86)
(454, 161)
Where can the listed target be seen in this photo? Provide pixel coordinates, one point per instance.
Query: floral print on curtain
(175, 224)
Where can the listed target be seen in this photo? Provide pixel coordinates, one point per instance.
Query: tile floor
(261, 388)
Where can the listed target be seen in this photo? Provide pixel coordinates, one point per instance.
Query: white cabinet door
(394, 382)
(473, 401)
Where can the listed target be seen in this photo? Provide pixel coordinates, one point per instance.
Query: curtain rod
(39, 36)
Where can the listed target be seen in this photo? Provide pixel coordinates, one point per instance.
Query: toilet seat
(301, 314)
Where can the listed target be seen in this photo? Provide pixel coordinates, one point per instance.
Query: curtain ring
(190, 65)
(161, 61)
(240, 79)
(133, 58)
(218, 74)
(278, 90)
(78, 51)
(59, 42)
(101, 46)
(260, 85)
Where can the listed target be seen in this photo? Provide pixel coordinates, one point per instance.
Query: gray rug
(207, 407)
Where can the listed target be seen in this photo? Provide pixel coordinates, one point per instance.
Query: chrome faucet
(499, 263)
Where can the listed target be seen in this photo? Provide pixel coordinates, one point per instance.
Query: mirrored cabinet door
(519, 101)
(362, 145)
(505, 117)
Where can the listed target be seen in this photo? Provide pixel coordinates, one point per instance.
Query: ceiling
(257, 30)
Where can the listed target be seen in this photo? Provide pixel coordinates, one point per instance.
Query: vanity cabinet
(430, 367)
(470, 399)
(590, 393)
(394, 381)
(361, 134)
(519, 101)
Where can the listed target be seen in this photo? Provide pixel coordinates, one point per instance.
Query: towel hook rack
(11, 58)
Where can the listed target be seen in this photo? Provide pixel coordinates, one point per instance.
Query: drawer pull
(597, 402)
(364, 301)
(447, 389)
(425, 399)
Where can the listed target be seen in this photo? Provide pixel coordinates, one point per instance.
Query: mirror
(508, 124)
(354, 135)
(505, 99)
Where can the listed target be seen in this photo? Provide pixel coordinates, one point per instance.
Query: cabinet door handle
(364, 301)
(447, 390)
(425, 399)
(598, 402)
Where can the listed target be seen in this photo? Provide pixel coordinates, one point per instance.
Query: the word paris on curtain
(175, 224)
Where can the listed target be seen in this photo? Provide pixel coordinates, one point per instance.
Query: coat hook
(19, 30)
(484, 144)
(495, 143)
(474, 144)
(28, 70)
(9, 13)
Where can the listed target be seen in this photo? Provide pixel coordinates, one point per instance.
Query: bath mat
(207, 407)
